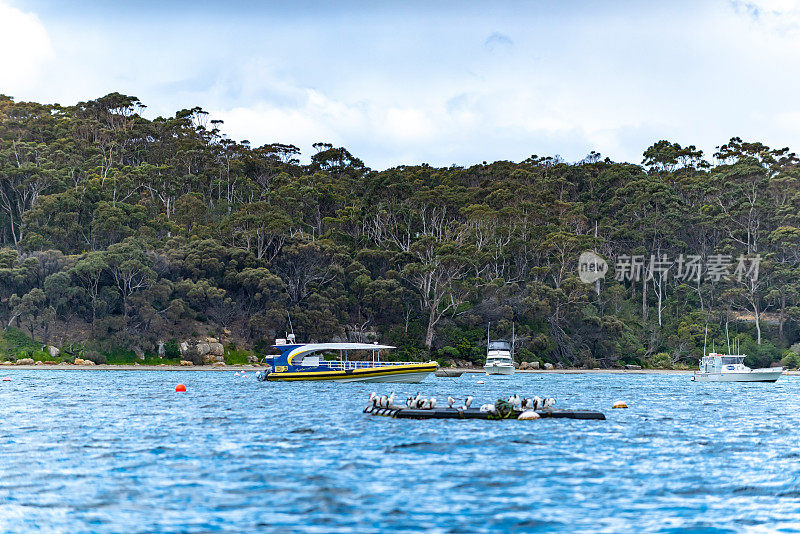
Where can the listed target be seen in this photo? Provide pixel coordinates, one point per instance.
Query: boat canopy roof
(294, 354)
(499, 344)
(726, 358)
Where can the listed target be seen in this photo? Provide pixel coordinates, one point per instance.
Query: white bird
(372, 398)
(549, 403)
(391, 399)
(409, 401)
(384, 401)
(432, 403)
(468, 402)
(488, 408)
(450, 401)
(417, 401)
(514, 400)
(527, 404)
(537, 403)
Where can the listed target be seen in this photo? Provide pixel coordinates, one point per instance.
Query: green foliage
(790, 360)
(760, 355)
(662, 360)
(172, 350)
(124, 231)
(450, 352)
(15, 342)
(94, 356)
(234, 356)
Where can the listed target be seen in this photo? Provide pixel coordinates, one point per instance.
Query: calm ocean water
(120, 451)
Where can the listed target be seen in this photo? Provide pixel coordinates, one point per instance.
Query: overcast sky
(419, 81)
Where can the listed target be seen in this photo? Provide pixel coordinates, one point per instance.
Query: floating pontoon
(475, 413)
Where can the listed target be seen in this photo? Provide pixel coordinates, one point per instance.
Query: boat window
(499, 345)
(729, 360)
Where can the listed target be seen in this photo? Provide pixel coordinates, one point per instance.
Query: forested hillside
(117, 231)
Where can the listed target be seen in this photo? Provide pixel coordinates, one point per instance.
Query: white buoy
(6, 379)
(527, 415)
(480, 382)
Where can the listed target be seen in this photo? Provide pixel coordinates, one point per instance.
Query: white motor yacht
(499, 359)
(731, 368)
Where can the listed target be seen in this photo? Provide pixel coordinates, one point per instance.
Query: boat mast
(290, 325)
(705, 338)
(512, 341)
(728, 337)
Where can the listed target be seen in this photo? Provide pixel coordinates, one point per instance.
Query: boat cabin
(717, 363)
(499, 345)
(499, 351)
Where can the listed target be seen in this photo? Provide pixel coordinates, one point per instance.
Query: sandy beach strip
(254, 368)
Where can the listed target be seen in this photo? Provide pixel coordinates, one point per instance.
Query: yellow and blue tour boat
(307, 362)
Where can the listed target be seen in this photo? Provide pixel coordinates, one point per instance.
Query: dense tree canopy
(131, 231)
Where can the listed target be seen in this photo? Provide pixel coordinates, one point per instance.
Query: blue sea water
(121, 451)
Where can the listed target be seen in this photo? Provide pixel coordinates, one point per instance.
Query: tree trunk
(758, 323)
(644, 296)
(431, 327)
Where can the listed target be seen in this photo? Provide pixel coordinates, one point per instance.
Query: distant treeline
(123, 231)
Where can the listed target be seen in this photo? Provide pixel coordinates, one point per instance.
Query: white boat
(499, 360)
(731, 368)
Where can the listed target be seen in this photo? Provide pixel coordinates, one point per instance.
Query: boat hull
(757, 375)
(409, 374)
(499, 369)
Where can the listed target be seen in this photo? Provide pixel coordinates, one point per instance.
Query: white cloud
(24, 49)
(455, 84)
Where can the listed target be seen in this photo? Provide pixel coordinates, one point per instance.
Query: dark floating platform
(446, 373)
(475, 413)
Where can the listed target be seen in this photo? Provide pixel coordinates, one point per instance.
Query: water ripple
(121, 451)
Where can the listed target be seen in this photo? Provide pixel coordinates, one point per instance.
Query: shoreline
(255, 368)
(106, 367)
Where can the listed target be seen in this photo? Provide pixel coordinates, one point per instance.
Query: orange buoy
(180, 387)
